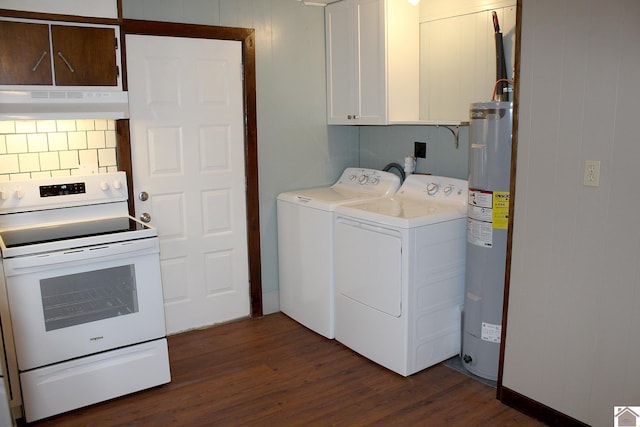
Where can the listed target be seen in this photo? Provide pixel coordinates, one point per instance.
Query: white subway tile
(37, 142)
(61, 172)
(20, 176)
(3, 145)
(65, 125)
(77, 140)
(49, 161)
(85, 125)
(88, 157)
(101, 124)
(110, 139)
(4, 177)
(58, 141)
(40, 175)
(69, 159)
(9, 163)
(96, 139)
(7, 126)
(17, 143)
(44, 126)
(107, 157)
(26, 126)
(29, 162)
(111, 124)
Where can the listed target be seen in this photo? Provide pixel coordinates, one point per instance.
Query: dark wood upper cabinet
(84, 56)
(80, 55)
(25, 58)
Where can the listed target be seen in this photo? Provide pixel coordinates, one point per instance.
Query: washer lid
(355, 184)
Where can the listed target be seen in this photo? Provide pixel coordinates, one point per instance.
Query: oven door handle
(25, 264)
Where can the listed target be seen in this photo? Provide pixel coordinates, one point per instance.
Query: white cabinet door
(187, 144)
(340, 59)
(372, 62)
(370, 56)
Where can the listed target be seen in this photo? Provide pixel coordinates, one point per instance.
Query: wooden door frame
(247, 37)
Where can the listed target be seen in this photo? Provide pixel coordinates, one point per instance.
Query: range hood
(63, 104)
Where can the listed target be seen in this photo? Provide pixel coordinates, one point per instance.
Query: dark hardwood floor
(270, 371)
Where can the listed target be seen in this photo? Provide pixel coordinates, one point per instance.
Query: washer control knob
(363, 179)
(19, 194)
(448, 190)
(375, 180)
(432, 188)
(104, 186)
(353, 177)
(3, 195)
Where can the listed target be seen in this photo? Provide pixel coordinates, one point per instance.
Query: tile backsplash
(31, 149)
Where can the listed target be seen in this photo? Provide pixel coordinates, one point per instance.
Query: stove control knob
(3, 195)
(363, 179)
(104, 186)
(145, 217)
(19, 194)
(448, 190)
(117, 184)
(432, 188)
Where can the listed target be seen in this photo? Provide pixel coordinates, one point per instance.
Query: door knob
(145, 217)
(144, 196)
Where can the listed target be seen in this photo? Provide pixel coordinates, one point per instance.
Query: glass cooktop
(73, 230)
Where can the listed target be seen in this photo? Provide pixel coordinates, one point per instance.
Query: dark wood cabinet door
(84, 56)
(24, 54)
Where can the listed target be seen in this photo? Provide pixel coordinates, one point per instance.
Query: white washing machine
(400, 273)
(305, 243)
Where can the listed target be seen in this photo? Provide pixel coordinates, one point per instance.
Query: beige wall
(574, 309)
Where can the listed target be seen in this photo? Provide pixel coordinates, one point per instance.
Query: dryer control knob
(448, 190)
(19, 194)
(104, 186)
(363, 179)
(432, 188)
(375, 180)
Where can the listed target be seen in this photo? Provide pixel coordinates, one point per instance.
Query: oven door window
(79, 298)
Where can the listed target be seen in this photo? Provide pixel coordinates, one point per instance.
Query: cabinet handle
(35, 67)
(66, 62)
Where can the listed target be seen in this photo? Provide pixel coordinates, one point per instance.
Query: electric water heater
(488, 214)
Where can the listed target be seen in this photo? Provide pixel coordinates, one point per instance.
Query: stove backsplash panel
(33, 149)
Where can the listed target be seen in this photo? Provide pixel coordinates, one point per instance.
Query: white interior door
(187, 148)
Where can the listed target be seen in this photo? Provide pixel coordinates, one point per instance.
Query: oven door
(83, 301)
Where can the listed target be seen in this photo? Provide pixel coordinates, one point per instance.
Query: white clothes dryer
(400, 273)
(305, 243)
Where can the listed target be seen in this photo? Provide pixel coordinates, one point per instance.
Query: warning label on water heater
(487, 210)
(491, 332)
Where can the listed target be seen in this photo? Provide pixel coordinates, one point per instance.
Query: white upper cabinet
(458, 59)
(372, 54)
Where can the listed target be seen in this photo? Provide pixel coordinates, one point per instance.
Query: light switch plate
(592, 173)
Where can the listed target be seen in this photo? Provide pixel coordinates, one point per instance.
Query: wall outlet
(592, 173)
(420, 150)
